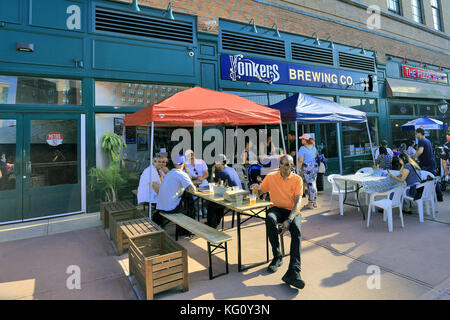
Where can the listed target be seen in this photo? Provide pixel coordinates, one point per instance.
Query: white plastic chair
(338, 190)
(427, 197)
(387, 205)
(364, 171)
(424, 175)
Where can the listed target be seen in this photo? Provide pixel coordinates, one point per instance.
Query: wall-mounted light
(210, 24)
(331, 42)
(169, 12)
(276, 33)
(442, 106)
(360, 45)
(252, 23)
(135, 6)
(317, 41)
(25, 47)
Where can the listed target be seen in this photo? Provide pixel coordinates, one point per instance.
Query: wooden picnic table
(258, 210)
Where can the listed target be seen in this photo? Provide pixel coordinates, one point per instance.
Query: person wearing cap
(144, 193)
(286, 190)
(173, 186)
(198, 171)
(221, 172)
(309, 167)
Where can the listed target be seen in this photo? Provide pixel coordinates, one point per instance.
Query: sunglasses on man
(286, 164)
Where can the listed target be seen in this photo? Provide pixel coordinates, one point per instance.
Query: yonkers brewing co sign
(240, 68)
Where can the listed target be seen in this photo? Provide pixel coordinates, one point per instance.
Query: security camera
(191, 53)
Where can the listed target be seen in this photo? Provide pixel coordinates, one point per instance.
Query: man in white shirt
(197, 169)
(173, 186)
(144, 194)
(384, 144)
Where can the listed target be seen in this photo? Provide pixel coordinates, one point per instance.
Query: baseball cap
(221, 159)
(306, 136)
(188, 152)
(178, 160)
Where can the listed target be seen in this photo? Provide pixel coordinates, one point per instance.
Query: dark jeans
(279, 215)
(215, 214)
(432, 170)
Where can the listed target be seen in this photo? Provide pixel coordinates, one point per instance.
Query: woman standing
(408, 173)
(308, 166)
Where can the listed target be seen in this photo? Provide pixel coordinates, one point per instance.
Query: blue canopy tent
(304, 108)
(424, 123)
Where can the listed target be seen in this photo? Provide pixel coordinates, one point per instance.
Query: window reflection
(7, 154)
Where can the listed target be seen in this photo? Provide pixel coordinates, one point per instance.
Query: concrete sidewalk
(337, 251)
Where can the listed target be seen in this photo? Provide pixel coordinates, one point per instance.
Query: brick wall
(266, 15)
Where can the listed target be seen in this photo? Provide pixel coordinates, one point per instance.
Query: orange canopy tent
(213, 108)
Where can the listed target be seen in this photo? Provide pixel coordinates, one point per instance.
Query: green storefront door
(44, 152)
(10, 168)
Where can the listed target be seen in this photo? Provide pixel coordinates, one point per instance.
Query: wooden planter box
(158, 263)
(103, 215)
(117, 216)
(129, 229)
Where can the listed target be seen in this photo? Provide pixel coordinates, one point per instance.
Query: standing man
(426, 158)
(230, 178)
(291, 140)
(198, 171)
(145, 195)
(286, 190)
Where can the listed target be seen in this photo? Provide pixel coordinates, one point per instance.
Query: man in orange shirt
(286, 190)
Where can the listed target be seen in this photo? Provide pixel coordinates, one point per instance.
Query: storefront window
(328, 145)
(356, 140)
(103, 96)
(400, 136)
(258, 97)
(402, 109)
(427, 110)
(33, 90)
(365, 105)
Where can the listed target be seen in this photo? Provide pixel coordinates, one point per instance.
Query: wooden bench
(216, 239)
(130, 229)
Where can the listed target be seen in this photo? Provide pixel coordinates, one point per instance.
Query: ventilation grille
(143, 26)
(356, 62)
(312, 54)
(253, 44)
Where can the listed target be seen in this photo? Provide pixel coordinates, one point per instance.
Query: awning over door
(396, 88)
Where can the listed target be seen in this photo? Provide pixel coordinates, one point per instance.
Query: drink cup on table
(239, 199)
(211, 187)
(252, 199)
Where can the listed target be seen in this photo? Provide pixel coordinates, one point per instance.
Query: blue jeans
(432, 170)
(279, 215)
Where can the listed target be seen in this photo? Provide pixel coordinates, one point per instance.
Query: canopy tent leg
(338, 134)
(151, 162)
(370, 141)
(296, 147)
(282, 138)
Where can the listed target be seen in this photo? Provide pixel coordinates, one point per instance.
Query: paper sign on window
(54, 139)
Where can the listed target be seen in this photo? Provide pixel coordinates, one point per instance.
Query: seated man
(221, 172)
(198, 171)
(173, 186)
(286, 190)
(146, 195)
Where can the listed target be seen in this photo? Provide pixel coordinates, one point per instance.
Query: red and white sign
(422, 74)
(54, 139)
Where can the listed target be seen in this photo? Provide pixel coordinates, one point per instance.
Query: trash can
(319, 181)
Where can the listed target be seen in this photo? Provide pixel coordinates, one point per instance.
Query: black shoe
(273, 266)
(294, 279)
(439, 198)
